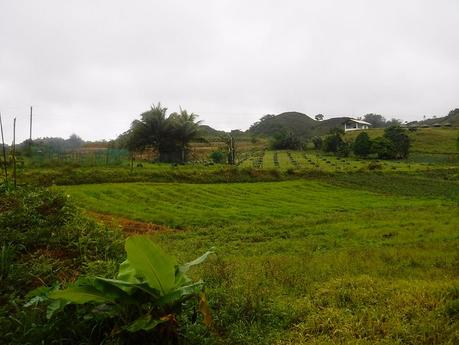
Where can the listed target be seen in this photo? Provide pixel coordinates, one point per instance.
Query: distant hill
(294, 122)
(451, 119)
(209, 132)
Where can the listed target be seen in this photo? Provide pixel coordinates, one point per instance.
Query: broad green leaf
(80, 295)
(128, 288)
(127, 273)
(149, 261)
(111, 289)
(181, 293)
(145, 323)
(39, 291)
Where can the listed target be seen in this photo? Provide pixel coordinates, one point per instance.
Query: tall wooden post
(14, 153)
(4, 151)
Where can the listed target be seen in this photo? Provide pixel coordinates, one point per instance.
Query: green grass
(310, 261)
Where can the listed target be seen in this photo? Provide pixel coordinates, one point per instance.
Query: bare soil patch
(128, 225)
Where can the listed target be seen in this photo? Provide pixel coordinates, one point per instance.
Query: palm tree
(170, 136)
(151, 130)
(185, 128)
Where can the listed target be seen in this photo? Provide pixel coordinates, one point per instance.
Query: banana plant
(149, 290)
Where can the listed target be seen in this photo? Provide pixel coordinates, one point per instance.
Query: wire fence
(99, 157)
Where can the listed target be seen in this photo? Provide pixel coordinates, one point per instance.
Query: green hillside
(271, 125)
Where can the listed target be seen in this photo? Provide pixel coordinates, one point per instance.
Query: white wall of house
(354, 126)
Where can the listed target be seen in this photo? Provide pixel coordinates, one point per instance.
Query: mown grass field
(325, 261)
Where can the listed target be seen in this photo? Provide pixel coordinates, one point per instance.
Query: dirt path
(128, 225)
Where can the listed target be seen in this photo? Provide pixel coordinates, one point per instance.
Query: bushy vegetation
(379, 121)
(335, 143)
(218, 157)
(362, 145)
(423, 140)
(287, 141)
(45, 239)
(46, 242)
(394, 144)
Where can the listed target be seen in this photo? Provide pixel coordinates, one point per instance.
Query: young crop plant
(293, 160)
(258, 160)
(150, 291)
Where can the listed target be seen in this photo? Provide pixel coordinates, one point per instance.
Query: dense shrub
(218, 157)
(335, 143)
(287, 141)
(362, 145)
(383, 147)
(32, 217)
(317, 142)
(400, 141)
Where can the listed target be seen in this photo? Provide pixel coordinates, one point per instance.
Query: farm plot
(305, 261)
(312, 160)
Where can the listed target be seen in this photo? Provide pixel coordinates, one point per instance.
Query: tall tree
(152, 130)
(376, 120)
(394, 122)
(319, 117)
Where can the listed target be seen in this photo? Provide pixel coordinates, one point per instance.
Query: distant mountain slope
(209, 132)
(451, 119)
(294, 122)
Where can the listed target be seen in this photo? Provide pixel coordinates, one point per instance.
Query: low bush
(218, 157)
(44, 238)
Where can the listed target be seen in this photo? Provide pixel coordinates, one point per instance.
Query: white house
(354, 125)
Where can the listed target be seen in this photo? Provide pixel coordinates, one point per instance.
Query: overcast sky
(91, 67)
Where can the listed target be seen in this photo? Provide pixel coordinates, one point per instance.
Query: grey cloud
(91, 67)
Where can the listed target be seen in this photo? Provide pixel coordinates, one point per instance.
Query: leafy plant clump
(218, 157)
(150, 290)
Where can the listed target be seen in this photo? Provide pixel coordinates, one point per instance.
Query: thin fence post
(4, 151)
(14, 153)
(30, 129)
